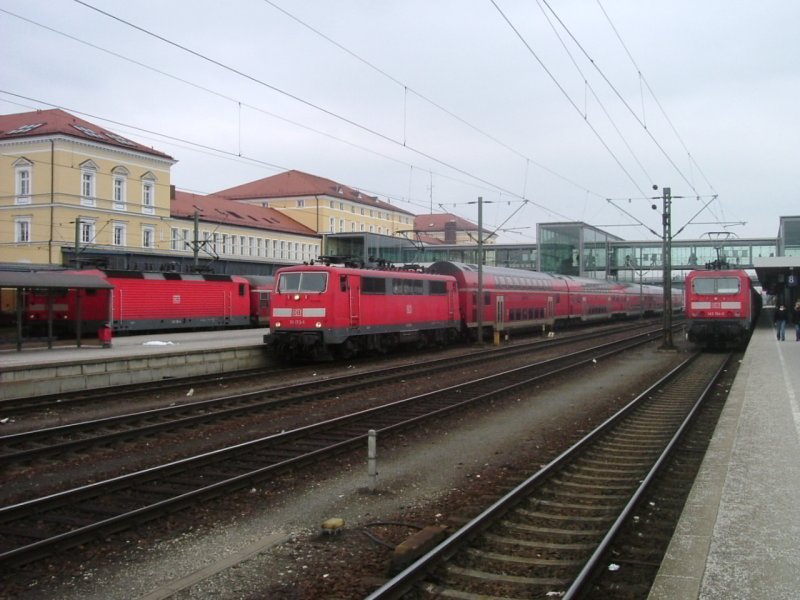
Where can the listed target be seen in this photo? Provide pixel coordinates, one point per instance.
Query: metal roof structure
(51, 280)
(47, 280)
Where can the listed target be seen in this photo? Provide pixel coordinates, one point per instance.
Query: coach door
(500, 313)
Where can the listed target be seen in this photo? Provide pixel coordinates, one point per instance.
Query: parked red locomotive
(721, 308)
(153, 301)
(320, 311)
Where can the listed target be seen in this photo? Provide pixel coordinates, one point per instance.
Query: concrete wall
(26, 381)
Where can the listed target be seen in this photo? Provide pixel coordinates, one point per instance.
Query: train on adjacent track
(143, 302)
(721, 308)
(323, 311)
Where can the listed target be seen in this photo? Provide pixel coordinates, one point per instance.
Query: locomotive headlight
(297, 297)
(277, 324)
(318, 324)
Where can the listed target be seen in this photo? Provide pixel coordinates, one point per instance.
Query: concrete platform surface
(739, 535)
(134, 345)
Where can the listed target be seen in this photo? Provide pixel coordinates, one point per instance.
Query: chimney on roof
(450, 232)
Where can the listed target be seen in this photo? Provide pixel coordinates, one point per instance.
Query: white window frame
(88, 184)
(23, 181)
(119, 234)
(148, 196)
(119, 188)
(23, 227)
(175, 238)
(148, 236)
(186, 238)
(87, 231)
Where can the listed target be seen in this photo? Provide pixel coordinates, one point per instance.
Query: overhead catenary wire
(488, 183)
(290, 95)
(564, 92)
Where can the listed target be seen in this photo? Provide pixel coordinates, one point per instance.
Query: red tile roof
(436, 222)
(296, 183)
(214, 209)
(42, 123)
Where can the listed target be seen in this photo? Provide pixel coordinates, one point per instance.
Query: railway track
(552, 534)
(20, 408)
(42, 526)
(26, 446)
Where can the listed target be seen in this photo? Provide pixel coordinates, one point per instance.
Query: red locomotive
(319, 311)
(153, 301)
(721, 308)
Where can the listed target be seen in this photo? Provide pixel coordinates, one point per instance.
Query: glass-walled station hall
(579, 249)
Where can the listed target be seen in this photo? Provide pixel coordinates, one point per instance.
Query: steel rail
(407, 580)
(28, 445)
(225, 470)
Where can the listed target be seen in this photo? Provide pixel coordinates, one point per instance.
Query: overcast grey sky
(545, 109)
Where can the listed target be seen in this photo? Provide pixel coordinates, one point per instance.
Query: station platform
(739, 534)
(130, 359)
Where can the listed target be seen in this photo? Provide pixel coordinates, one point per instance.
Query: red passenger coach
(320, 311)
(721, 308)
(517, 300)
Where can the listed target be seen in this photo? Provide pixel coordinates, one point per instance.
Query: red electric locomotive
(721, 308)
(154, 301)
(320, 311)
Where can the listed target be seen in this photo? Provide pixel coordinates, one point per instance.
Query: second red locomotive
(721, 308)
(141, 301)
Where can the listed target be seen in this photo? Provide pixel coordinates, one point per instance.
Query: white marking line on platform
(790, 391)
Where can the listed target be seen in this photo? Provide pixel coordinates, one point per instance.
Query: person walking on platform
(796, 320)
(780, 318)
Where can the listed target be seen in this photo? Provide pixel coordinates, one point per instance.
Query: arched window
(88, 183)
(23, 178)
(148, 193)
(120, 187)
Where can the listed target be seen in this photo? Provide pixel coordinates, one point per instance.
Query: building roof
(296, 183)
(215, 209)
(437, 222)
(52, 280)
(43, 123)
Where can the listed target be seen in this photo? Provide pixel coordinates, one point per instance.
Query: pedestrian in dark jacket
(780, 319)
(796, 320)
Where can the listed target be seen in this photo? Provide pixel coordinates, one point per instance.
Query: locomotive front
(303, 307)
(719, 308)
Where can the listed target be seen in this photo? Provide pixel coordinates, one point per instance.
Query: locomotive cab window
(302, 282)
(241, 289)
(713, 285)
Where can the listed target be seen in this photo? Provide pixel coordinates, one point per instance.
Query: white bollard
(372, 458)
